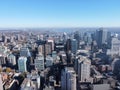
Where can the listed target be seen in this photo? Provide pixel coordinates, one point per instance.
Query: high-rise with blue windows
(74, 46)
(22, 64)
(101, 37)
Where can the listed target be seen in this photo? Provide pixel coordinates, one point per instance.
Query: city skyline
(59, 13)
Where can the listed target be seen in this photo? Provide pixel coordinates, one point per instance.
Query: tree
(8, 70)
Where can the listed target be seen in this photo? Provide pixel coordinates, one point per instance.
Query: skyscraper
(51, 42)
(115, 47)
(49, 61)
(22, 64)
(68, 45)
(68, 79)
(74, 46)
(39, 62)
(77, 37)
(101, 37)
(116, 66)
(11, 59)
(24, 51)
(83, 69)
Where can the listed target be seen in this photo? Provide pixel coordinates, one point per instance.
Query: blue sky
(59, 13)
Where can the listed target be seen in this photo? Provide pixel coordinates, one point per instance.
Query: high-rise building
(74, 46)
(41, 49)
(68, 45)
(49, 61)
(54, 54)
(83, 68)
(87, 38)
(101, 37)
(77, 37)
(116, 66)
(109, 39)
(68, 79)
(4, 38)
(65, 36)
(22, 64)
(2, 60)
(41, 37)
(11, 59)
(24, 51)
(39, 62)
(38, 37)
(115, 47)
(12, 39)
(48, 49)
(32, 82)
(51, 42)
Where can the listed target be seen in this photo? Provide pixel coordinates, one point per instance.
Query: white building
(83, 69)
(41, 49)
(101, 87)
(39, 62)
(68, 79)
(32, 82)
(115, 47)
(22, 64)
(74, 45)
(49, 61)
(51, 41)
(12, 59)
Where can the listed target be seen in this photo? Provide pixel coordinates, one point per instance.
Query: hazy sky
(59, 13)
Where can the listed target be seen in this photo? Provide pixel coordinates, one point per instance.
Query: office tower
(2, 60)
(68, 45)
(87, 38)
(68, 79)
(4, 38)
(104, 37)
(41, 49)
(109, 39)
(22, 64)
(38, 37)
(101, 37)
(32, 82)
(77, 37)
(65, 36)
(1, 85)
(3, 54)
(83, 69)
(115, 47)
(39, 62)
(115, 66)
(47, 49)
(24, 51)
(73, 46)
(54, 54)
(41, 37)
(18, 37)
(49, 61)
(51, 42)
(11, 59)
(12, 39)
